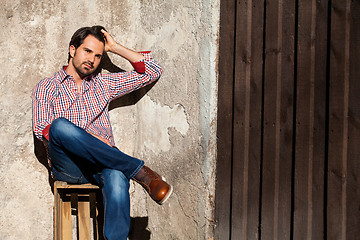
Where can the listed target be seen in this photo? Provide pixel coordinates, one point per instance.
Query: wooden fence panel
(288, 120)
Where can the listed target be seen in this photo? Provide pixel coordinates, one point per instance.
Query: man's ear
(72, 50)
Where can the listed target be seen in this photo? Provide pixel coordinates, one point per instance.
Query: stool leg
(84, 220)
(66, 226)
(62, 216)
(57, 213)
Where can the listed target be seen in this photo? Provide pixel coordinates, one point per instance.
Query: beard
(87, 68)
(84, 68)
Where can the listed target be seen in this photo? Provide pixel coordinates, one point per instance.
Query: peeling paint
(154, 122)
(172, 127)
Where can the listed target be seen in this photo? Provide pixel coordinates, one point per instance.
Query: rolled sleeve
(140, 66)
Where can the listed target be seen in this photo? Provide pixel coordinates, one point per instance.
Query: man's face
(86, 58)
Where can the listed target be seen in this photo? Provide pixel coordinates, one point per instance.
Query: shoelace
(151, 174)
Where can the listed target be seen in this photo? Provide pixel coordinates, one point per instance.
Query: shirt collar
(62, 75)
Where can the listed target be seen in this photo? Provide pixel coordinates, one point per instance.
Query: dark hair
(79, 36)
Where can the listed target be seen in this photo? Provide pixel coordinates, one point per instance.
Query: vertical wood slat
(310, 120)
(84, 220)
(344, 169)
(62, 215)
(57, 215)
(224, 134)
(353, 173)
(247, 120)
(66, 227)
(278, 114)
(338, 125)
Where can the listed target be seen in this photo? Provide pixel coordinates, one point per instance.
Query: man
(71, 117)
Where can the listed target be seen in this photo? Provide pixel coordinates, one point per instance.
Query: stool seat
(78, 210)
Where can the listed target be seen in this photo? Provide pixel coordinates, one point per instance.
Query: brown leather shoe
(154, 184)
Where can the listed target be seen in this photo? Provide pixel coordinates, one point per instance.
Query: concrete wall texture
(172, 127)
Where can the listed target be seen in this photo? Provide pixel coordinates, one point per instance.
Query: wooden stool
(77, 208)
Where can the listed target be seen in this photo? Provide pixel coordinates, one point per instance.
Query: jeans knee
(61, 127)
(58, 124)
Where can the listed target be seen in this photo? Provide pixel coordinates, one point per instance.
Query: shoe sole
(168, 193)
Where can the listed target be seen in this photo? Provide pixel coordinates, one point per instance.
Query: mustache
(89, 63)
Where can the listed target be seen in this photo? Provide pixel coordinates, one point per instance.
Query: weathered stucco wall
(172, 127)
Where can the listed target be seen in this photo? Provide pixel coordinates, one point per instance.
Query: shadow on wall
(138, 229)
(126, 100)
(41, 155)
(138, 225)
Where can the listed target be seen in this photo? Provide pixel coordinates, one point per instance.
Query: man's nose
(92, 58)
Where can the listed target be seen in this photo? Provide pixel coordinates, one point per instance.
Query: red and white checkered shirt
(58, 96)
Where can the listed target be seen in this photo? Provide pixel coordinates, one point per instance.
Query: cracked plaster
(172, 127)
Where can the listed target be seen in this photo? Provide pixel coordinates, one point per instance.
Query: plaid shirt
(58, 96)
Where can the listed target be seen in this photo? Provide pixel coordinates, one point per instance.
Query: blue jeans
(78, 157)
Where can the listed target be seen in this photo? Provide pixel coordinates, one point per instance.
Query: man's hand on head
(109, 41)
(112, 46)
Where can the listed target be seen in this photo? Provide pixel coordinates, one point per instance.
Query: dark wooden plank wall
(288, 120)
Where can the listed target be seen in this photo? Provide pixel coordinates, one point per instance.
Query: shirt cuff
(140, 66)
(45, 132)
